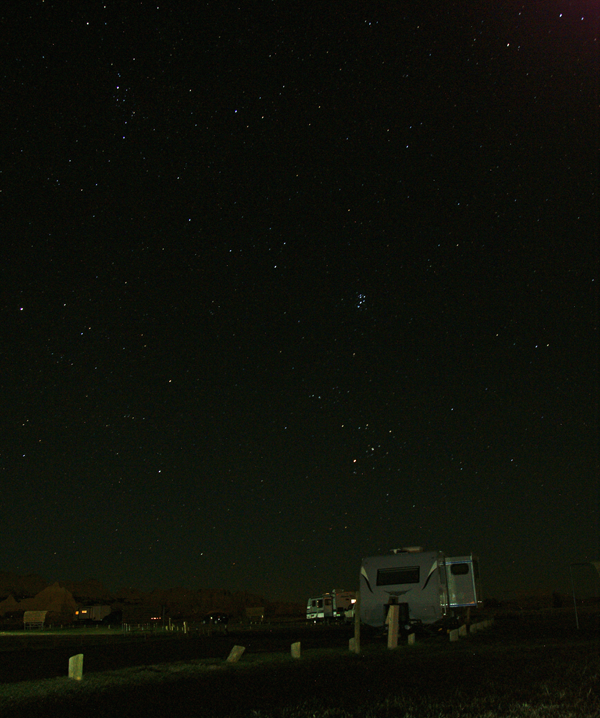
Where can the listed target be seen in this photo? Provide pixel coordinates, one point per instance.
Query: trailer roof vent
(408, 549)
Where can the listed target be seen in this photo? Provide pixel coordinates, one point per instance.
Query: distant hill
(175, 602)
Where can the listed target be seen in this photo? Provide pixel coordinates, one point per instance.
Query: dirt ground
(46, 654)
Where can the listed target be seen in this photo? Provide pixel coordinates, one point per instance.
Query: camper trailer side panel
(414, 578)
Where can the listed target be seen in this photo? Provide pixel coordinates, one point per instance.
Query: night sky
(284, 285)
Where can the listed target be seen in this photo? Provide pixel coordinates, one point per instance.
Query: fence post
(392, 621)
(356, 646)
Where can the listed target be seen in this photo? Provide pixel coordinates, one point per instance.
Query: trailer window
(392, 576)
(459, 569)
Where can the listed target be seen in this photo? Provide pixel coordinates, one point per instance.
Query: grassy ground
(518, 668)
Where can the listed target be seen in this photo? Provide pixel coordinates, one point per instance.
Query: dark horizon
(585, 584)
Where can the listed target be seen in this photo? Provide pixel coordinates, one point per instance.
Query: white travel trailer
(329, 606)
(428, 586)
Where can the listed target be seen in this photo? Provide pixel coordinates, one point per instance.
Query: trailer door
(462, 576)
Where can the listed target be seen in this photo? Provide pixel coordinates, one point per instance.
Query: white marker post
(76, 667)
(235, 654)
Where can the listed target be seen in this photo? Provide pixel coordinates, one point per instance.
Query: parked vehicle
(330, 606)
(429, 587)
(95, 614)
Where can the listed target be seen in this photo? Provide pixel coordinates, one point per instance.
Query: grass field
(521, 667)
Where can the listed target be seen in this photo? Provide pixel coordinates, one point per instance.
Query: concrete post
(76, 667)
(235, 654)
(392, 620)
